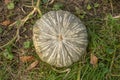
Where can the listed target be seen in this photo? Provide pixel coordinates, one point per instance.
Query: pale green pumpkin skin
(60, 38)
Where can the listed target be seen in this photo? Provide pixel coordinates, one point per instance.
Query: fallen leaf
(93, 60)
(6, 22)
(7, 1)
(26, 58)
(32, 65)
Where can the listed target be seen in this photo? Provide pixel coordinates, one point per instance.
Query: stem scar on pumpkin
(60, 38)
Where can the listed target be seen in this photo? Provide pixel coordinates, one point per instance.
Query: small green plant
(80, 13)
(27, 44)
(11, 5)
(58, 6)
(96, 5)
(89, 7)
(8, 53)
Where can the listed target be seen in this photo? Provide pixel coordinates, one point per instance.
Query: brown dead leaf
(6, 23)
(93, 60)
(26, 58)
(7, 1)
(32, 65)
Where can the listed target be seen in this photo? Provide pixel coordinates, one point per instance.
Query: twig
(28, 6)
(116, 17)
(117, 75)
(63, 71)
(22, 22)
(35, 8)
(12, 40)
(79, 70)
(10, 71)
(23, 10)
(51, 2)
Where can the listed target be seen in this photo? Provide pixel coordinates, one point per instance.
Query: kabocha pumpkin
(60, 38)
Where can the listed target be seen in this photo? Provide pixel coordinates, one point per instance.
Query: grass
(104, 42)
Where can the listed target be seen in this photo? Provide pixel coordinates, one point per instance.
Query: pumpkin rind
(60, 38)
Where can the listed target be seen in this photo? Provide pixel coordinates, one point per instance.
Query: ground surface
(102, 19)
